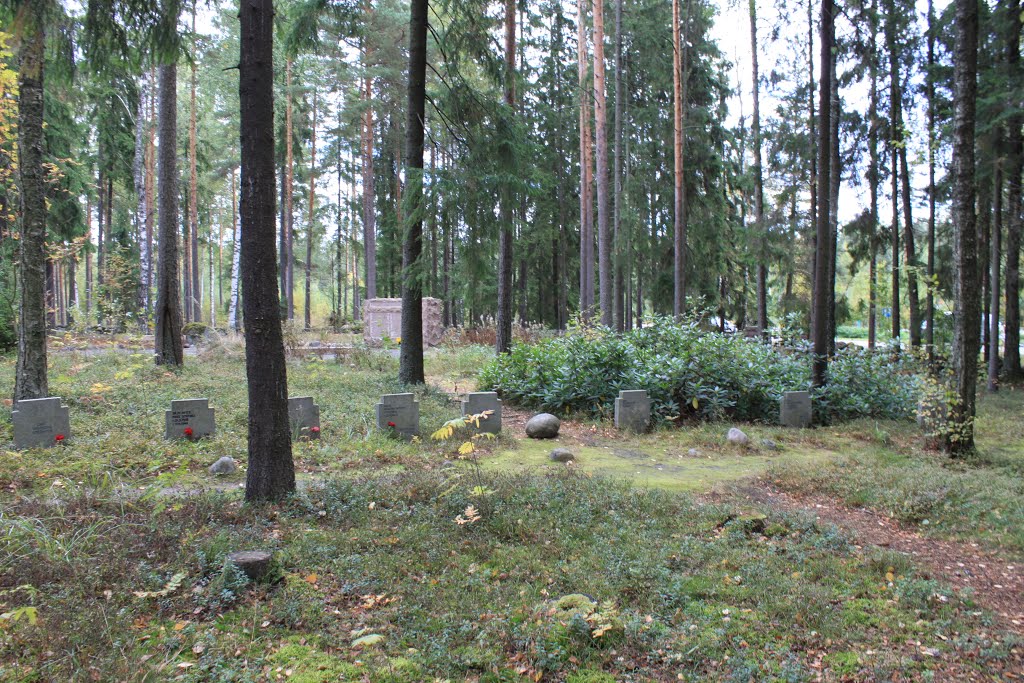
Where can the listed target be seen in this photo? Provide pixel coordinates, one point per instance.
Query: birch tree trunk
(139, 177)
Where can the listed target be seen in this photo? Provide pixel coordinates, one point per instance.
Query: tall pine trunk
(410, 369)
(621, 317)
(604, 259)
(586, 170)
(873, 175)
(679, 202)
(139, 177)
(311, 219)
(271, 472)
(1014, 168)
(168, 303)
(995, 245)
(930, 95)
(288, 253)
(30, 379)
(819, 333)
(236, 252)
(503, 333)
(369, 210)
(759, 227)
(959, 439)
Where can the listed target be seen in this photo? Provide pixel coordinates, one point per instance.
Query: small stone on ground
(253, 563)
(562, 455)
(225, 465)
(736, 436)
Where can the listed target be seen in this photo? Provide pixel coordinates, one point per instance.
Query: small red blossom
(59, 438)
(392, 424)
(188, 432)
(315, 430)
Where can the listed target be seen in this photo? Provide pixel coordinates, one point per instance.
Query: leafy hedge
(691, 373)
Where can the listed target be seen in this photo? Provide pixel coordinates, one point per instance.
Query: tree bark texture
(310, 221)
(503, 332)
(819, 333)
(586, 173)
(1014, 168)
(271, 472)
(679, 199)
(995, 246)
(31, 379)
(966, 310)
(604, 241)
(369, 210)
(759, 227)
(139, 177)
(410, 369)
(167, 316)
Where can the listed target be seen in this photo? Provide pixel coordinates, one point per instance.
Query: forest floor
(847, 553)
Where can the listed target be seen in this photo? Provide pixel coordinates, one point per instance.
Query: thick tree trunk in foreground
(271, 473)
(503, 333)
(410, 369)
(167, 315)
(819, 333)
(959, 440)
(30, 379)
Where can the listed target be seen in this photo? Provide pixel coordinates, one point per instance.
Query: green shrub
(693, 374)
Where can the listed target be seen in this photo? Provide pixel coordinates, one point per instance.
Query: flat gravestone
(482, 401)
(795, 409)
(190, 418)
(399, 414)
(633, 410)
(304, 417)
(40, 422)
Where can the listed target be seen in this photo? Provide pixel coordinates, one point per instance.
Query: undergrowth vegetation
(391, 579)
(691, 373)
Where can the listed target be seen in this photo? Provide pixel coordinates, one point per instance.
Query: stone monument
(383, 318)
(633, 410)
(191, 419)
(304, 417)
(41, 422)
(479, 402)
(399, 414)
(795, 409)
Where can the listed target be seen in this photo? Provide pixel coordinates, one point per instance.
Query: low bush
(692, 374)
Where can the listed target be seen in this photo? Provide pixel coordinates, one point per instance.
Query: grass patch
(562, 576)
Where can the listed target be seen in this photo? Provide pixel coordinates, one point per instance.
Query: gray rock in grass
(562, 455)
(543, 426)
(737, 437)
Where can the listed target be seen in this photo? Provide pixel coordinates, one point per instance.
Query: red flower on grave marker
(59, 438)
(188, 432)
(315, 430)
(392, 424)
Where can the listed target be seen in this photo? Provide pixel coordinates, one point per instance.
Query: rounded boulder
(543, 426)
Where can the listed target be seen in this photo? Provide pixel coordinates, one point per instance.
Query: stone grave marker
(189, 414)
(795, 409)
(383, 318)
(480, 401)
(40, 422)
(633, 410)
(399, 414)
(304, 417)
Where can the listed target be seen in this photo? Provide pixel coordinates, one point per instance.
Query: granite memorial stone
(191, 419)
(482, 401)
(633, 410)
(40, 422)
(304, 417)
(399, 414)
(795, 409)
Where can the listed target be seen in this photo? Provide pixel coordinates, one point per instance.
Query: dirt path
(997, 582)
